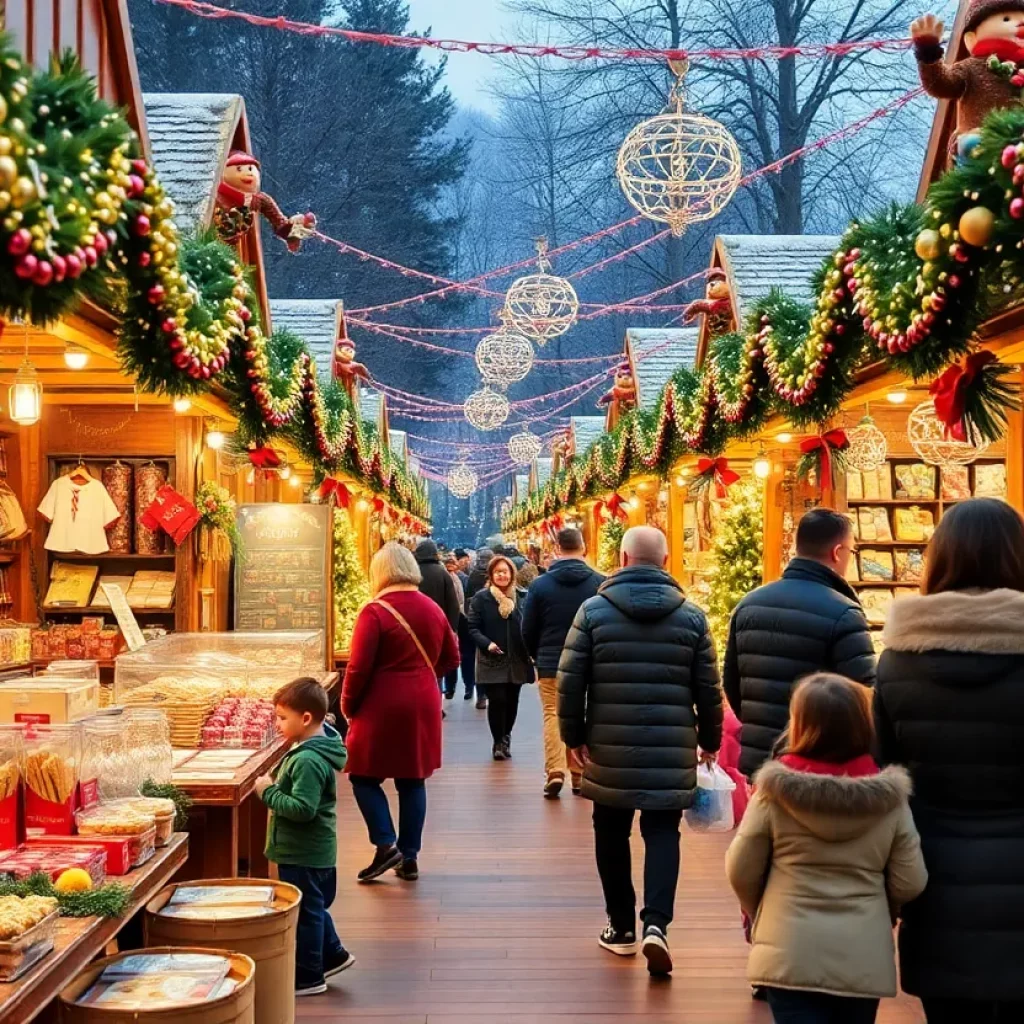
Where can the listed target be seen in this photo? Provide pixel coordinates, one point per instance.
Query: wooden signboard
(125, 616)
(283, 575)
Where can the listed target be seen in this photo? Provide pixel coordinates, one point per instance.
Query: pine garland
(109, 900)
(608, 545)
(351, 589)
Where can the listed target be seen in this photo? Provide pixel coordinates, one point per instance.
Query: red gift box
(118, 848)
(12, 819)
(171, 512)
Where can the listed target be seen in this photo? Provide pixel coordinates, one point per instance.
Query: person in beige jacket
(826, 854)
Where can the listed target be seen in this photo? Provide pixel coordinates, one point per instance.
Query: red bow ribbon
(614, 505)
(825, 444)
(378, 505)
(950, 389)
(264, 458)
(335, 489)
(719, 471)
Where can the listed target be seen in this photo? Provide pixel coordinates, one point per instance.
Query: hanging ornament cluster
(868, 447)
(524, 447)
(487, 409)
(462, 478)
(541, 305)
(934, 443)
(679, 168)
(504, 357)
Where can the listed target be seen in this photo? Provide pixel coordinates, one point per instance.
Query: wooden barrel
(269, 939)
(234, 1008)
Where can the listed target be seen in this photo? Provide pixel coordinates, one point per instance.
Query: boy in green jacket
(302, 833)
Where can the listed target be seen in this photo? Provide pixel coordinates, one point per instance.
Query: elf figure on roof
(991, 77)
(239, 199)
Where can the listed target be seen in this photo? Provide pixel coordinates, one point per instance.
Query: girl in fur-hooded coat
(950, 706)
(824, 858)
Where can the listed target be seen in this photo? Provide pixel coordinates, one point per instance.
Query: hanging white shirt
(78, 516)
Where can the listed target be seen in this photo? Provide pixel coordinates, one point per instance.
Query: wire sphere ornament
(868, 446)
(487, 409)
(541, 306)
(928, 436)
(504, 357)
(679, 168)
(462, 480)
(524, 447)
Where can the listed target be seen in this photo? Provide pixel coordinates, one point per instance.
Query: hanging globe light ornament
(868, 446)
(679, 168)
(504, 357)
(487, 409)
(929, 437)
(462, 479)
(541, 306)
(524, 447)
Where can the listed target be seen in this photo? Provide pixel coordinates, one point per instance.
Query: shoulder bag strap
(405, 625)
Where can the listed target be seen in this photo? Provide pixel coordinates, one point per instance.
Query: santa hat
(239, 157)
(979, 10)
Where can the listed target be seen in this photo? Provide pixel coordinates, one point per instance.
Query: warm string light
(817, 51)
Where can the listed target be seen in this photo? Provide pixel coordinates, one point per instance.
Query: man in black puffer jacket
(637, 692)
(551, 604)
(809, 621)
(437, 582)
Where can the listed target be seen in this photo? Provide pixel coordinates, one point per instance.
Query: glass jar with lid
(106, 759)
(149, 739)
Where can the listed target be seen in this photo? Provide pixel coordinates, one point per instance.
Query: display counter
(80, 940)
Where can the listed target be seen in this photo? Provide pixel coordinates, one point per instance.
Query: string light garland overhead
(487, 409)
(541, 305)
(679, 168)
(504, 357)
(819, 51)
(524, 447)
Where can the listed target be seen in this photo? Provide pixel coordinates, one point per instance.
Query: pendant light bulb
(75, 358)
(182, 405)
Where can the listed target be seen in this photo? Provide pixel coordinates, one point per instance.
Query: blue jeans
(317, 943)
(412, 812)
(790, 1006)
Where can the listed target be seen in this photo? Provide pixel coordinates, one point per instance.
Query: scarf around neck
(858, 768)
(506, 601)
(1002, 49)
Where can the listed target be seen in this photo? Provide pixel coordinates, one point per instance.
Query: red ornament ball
(142, 226)
(26, 266)
(91, 256)
(145, 259)
(18, 244)
(60, 268)
(44, 274)
(75, 265)
(156, 294)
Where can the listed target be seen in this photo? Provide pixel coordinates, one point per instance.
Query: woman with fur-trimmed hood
(824, 858)
(950, 706)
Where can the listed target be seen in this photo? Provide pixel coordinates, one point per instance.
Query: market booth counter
(79, 940)
(216, 690)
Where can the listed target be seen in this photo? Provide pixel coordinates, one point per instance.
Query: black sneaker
(553, 786)
(383, 860)
(311, 990)
(449, 696)
(619, 943)
(498, 752)
(655, 949)
(408, 870)
(468, 695)
(337, 966)
(506, 746)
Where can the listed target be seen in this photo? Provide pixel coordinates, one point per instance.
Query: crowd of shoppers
(885, 792)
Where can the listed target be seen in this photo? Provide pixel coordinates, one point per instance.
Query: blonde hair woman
(401, 644)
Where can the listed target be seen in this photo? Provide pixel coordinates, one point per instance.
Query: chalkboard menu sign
(283, 576)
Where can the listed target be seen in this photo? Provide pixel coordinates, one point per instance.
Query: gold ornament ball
(977, 225)
(927, 245)
(23, 191)
(8, 172)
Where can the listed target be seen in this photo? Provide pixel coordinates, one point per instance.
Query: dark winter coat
(437, 582)
(478, 575)
(950, 707)
(638, 685)
(551, 605)
(486, 626)
(809, 621)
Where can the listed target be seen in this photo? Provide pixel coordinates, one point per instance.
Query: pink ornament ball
(142, 225)
(145, 259)
(75, 265)
(44, 274)
(1009, 156)
(91, 256)
(18, 244)
(100, 244)
(155, 295)
(1017, 208)
(26, 266)
(136, 186)
(181, 360)
(60, 268)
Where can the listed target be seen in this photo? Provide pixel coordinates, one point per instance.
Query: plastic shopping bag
(711, 810)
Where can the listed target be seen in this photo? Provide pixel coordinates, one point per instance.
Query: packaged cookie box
(119, 850)
(24, 951)
(160, 809)
(104, 820)
(48, 700)
(53, 758)
(54, 858)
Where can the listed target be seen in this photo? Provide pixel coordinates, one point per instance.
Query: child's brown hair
(830, 719)
(304, 695)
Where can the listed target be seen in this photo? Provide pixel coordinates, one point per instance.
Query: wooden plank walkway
(502, 926)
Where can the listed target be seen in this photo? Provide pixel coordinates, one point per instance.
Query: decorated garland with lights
(907, 288)
(351, 589)
(83, 216)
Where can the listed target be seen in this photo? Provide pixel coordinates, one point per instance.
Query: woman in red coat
(401, 646)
